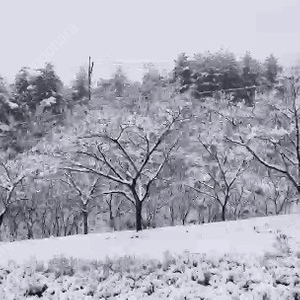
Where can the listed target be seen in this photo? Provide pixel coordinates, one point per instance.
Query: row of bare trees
(200, 164)
(56, 210)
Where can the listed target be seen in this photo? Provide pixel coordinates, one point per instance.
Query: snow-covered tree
(272, 70)
(11, 179)
(80, 86)
(277, 193)
(216, 169)
(270, 132)
(132, 155)
(84, 188)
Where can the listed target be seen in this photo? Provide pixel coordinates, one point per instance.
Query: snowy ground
(253, 236)
(232, 264)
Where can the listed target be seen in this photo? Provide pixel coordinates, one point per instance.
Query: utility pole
(90, 72)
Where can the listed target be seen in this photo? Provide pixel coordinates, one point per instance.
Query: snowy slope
(253, 236)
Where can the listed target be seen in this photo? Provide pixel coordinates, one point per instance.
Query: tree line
(148, 154)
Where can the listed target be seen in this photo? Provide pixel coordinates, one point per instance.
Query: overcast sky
(66, 32)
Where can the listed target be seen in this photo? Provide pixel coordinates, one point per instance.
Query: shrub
(61, 266)
(127, 277)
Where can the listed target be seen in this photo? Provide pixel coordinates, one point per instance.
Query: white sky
(142, 30)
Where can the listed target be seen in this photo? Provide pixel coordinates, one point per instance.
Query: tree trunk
(224, 213)
(65, 230)
(153, 221)
(111, 219)
(57, 229)
(171, 210)
(200, 218)
(85, 215)
(1, 222)
(43, 229)
(112, 223)
(1, 219)
(266, 210)
(214, 218)
(29, 233)
(138, 215)
(209, 214)
(224, 205)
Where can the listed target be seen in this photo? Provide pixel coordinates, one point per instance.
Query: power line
(229, 90)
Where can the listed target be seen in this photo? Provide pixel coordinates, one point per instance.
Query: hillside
(252, 236)
(250, 259)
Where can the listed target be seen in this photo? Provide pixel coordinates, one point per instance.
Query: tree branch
(158, 172)
(119, 193)
(109, 164)
(85, 169)
(72, 183)
(267, 165)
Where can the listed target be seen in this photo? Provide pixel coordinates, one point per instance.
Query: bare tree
(114, 205)
(30, 216)
(279, 192)
(133, 159)
(172, 212)
(201, 207)
(152, 208)
(239, 201)
(9, 183)
(45, 230)
(186, 202)
(223, 173)
(74, 227)
(273, 140)
(14, 221)
(85, 191)
(47, 208)
(68, 215)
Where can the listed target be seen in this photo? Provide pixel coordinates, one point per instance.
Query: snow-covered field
(252, 236)
(225, 260)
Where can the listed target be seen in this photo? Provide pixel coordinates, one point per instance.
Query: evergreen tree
(182, 72)
(80, 86)
(272, 69)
